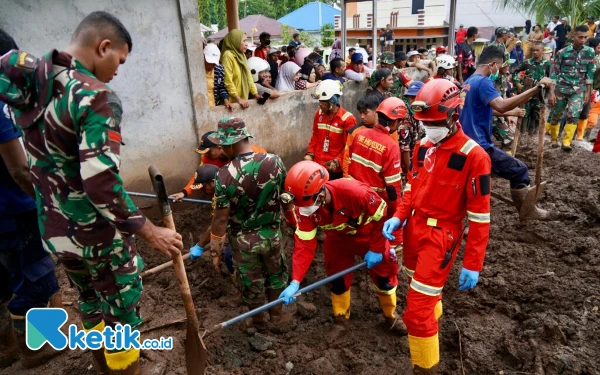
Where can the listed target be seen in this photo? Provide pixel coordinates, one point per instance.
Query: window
(417, 5)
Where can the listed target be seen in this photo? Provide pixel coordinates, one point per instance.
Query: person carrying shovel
(248, 209)
(451, 179)
(350, 212)
(71, 122)
(481, 102)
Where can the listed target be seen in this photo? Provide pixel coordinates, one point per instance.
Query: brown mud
(534, 311)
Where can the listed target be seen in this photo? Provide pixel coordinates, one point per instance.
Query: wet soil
(534, 311)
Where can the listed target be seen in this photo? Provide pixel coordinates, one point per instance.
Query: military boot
(9, 353)
(258, 320)
(275, 313)
(98, 354)
(525, 202)
(123, 363)
(31, 358)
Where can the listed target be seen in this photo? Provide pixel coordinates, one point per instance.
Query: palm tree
(576, 10)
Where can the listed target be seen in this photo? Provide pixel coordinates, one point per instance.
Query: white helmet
(445, 62)
(257, 65)
(327, 89)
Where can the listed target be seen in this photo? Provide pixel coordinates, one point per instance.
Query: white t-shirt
(551, 26)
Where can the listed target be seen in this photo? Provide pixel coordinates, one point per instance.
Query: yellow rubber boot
(581, 126)
(341, 304)
(548, 128)
(387, 302)
(554, 130)
(438, 310)
(570, 130)
(98, 354)
(123, 363)
(424, 354)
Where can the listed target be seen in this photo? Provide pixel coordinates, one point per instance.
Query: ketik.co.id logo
(43, 326)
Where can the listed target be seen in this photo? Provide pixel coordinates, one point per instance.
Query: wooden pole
(233, 19)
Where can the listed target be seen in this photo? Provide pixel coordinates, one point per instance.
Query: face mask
(448, 77)
(494, 76)
(436, 133)
(307, 211)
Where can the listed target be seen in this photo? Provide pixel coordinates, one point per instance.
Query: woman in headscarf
(307, 77)
(238, 79)
(380, 83)
(289, 73)
(336, 50)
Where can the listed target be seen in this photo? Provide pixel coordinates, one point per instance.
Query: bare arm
(14, 157)
(501, 105)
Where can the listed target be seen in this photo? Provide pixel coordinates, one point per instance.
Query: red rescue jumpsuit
(352, 228)
(375, 160)
(447, 183)
(329, 137)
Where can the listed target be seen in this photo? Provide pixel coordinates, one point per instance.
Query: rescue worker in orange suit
(375, 158)
(211, 154)
(451, 179)
(352, 216)
(330, 129)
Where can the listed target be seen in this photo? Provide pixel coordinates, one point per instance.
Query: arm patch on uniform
(485, 184)
(422, 152)
(457, 161)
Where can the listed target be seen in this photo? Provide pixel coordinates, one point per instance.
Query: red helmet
(305, 181)
(436, 100)
(392, 108)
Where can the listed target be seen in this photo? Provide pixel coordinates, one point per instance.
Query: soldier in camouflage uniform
(386, 60)
(500, 124)
(248, 208)
(72, 127)
(573, 70)
(505, 40)
(535, 69)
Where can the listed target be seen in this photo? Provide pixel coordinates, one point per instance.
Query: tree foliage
(576, 10)
(327, 35)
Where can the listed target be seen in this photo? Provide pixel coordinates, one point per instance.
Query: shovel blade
(196, 354)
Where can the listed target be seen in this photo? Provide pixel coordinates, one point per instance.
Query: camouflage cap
(231, 130)
(501, 31)
(386, 58)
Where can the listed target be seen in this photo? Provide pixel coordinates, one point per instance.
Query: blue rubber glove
(373, 259)
(467, 279)
(289, 293)
(389, 226)
(196, 252)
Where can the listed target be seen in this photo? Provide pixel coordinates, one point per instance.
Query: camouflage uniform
(534, 72)
(250, 186)
(572, 70)
(397, 89)
(500, 124)
(409, 130)
(503, 46)
(71, 125)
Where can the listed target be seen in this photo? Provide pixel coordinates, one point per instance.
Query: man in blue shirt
(482, 102)
(27, 277)
(338, 69)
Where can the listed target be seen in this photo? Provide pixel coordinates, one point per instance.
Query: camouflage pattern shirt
(573, 69)
(536, 70)
(71, 124)
(250, 185)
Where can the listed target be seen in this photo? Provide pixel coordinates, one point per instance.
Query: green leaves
(576, 10)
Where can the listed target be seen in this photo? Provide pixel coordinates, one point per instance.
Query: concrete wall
(163, 85)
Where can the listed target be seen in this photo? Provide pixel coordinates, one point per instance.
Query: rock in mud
(270, 354)
(260, 343)
(307, 310)
(321, 366)
(289, 366)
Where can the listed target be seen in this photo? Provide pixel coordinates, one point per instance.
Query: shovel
(195, 350)
(279, 301)
(144, 195)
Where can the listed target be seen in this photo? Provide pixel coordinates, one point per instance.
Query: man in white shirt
(553, 24)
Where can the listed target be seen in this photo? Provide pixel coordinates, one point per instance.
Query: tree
(327, 35)
(576, 10)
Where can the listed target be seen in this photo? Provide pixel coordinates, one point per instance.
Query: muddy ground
(534, 311)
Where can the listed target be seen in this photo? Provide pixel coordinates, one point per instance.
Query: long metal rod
(343, 26)
(375, 42)
(144, 195)
(279, 301)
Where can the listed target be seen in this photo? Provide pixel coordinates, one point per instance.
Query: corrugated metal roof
(256, 21)
(311, 16)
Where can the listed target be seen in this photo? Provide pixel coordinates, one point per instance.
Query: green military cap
(231, 130)
(501, 30)
(386, 58)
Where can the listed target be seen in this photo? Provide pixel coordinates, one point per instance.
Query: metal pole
(144, 195)
(343, 5)
(233, 19)
(375, 36)
(451, 27)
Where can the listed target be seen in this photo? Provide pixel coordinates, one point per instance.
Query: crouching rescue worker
(71, 122)
(330, 129)
(450, 180)
(247, 192)
(351, 214)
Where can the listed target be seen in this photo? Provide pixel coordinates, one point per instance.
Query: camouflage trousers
(110, 286)
(572, 104)
(259, 263)
(532, 116)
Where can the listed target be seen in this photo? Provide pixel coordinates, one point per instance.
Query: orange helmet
(436, 101)
(392, 108)
(304, 182)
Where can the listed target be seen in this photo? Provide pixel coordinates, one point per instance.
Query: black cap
(422, 50)
(401, 56)
(205, 143)
(204, 174)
